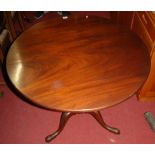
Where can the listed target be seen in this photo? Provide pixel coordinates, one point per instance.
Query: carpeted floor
(21, 122)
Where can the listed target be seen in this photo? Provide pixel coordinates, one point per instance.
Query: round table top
(78, 64)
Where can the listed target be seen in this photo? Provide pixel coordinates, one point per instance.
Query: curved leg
(63, 120)
(97, 115)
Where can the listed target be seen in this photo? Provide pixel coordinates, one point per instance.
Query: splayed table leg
(97, 115)
(63, 120)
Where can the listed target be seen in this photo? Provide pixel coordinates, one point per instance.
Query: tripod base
(65, 117)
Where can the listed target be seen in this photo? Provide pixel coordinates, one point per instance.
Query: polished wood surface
(79, 64)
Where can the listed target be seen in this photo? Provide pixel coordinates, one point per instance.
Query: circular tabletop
(78, 64)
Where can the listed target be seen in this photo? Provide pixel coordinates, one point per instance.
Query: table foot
(63, 120)
(97, 115)
(66, 115)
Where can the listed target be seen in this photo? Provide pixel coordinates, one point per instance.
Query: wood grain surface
(79, 64)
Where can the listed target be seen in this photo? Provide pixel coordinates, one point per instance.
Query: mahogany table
(80, 64)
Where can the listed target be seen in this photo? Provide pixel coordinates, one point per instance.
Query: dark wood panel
(1, 55)
(125, 18)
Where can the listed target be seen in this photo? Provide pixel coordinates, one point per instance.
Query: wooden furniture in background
(11, 18)
(8, 31)
(5, 36)
(123, 18)
(143, 24)
(77, 65)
